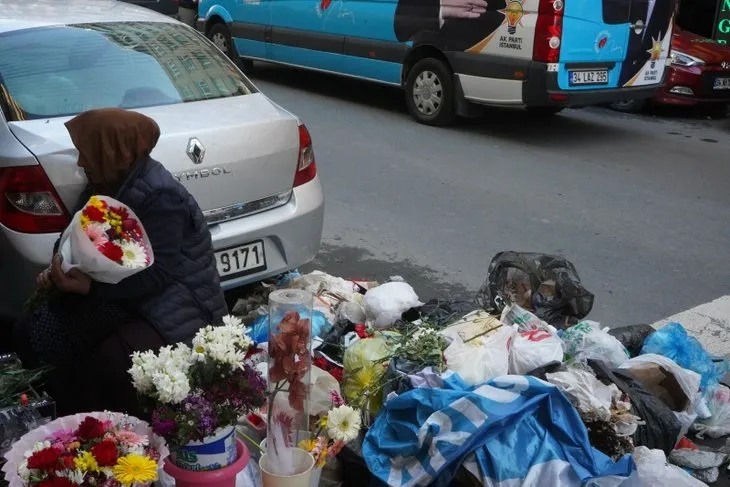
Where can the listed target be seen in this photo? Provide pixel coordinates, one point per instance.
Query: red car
(699, 75)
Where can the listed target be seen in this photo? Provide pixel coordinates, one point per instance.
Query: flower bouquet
(93, 449)
(197, 395)
(106, 241)
(332, 431)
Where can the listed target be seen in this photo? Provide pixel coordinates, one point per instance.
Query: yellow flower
(86, 462)
(307, 445)
(84, 221)
(322, 459)
(95, 201)
(131, 469)
(323, 422)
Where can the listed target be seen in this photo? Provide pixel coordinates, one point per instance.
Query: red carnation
(90, 428)
(68, 461)
(112, 251)
(46, 459)
(105, 453)
(130, 225)
(94, 214)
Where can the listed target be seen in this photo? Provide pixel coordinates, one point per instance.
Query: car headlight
(681, 59)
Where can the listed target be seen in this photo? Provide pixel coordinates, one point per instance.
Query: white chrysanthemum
(24, 471)
(134, 255)
(172, 386)
(144, 364)
(226, 344)
(343, 423)
(231, 320)
(75, 476)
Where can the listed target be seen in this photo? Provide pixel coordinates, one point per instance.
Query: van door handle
(638, 27)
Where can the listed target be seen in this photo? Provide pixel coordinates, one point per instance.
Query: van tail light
(548, 31)
(306, 167)
(28, 202)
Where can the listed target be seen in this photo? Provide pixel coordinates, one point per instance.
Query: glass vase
(289, 367)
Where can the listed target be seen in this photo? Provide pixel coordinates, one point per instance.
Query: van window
(61, 71)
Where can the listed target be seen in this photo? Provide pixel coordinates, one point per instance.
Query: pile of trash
(517, 385)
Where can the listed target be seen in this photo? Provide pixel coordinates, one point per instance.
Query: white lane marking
(709, 323)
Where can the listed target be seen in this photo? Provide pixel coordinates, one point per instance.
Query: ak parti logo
(601, 41)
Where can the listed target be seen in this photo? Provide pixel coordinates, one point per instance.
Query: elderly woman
(87, 329)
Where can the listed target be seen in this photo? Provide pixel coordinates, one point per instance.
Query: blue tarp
(511, 431)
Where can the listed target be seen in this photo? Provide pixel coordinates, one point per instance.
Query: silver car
(248, 162)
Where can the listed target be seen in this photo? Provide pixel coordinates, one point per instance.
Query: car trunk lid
(224, 151)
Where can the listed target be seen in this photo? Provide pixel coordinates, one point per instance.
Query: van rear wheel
(221, 37)
(629, 106)
(430, 93)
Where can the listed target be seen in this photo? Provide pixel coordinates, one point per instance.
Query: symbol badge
(196, 151)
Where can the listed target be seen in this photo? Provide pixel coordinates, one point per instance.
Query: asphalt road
(640, 204)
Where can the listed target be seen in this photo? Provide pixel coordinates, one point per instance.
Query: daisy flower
(97, 233)
(343, 423)
(134, 255)
(132, 469)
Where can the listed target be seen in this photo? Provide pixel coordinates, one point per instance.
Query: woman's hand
(74, 281)
(44, 280)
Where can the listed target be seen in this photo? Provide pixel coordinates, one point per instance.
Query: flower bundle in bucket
(93, 449)
(197, 395)
(106, 241)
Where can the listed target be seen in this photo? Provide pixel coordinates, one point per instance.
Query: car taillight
(306, 167)
(28, 202)
(548, 31)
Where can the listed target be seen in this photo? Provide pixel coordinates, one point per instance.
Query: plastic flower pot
(316, 471)
(213, 453)
(223, 477)
(304, 463)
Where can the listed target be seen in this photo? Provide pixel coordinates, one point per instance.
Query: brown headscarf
(110, 142)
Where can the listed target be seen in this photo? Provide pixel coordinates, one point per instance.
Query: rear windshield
(61, 71)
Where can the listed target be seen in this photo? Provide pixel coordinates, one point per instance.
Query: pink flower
(336, 399)
(336, 448)
(97, 233)
(131, 439)
(62, 436)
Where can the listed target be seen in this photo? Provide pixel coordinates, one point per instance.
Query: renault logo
(725, 65)
(196, 151)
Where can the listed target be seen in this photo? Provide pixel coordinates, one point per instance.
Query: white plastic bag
(718, 424)
(534, 349)
(587, 340)
(385, 304)
(585, 391)
(480, 359)
(79, 252)
(654, 471)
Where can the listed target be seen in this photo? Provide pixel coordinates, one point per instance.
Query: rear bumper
(291, 233)
(541, 89)
(699, 80)
(493, 80)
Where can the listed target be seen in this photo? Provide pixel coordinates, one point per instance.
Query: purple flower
(200, 410)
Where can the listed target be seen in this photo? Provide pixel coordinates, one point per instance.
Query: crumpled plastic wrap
(653, 470)
(385, 304)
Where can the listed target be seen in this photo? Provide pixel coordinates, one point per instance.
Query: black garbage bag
(440, 313)
(662, 427)
(547, 285)
(333, 341)
(551, 368)
(632, 337)
(396, 377)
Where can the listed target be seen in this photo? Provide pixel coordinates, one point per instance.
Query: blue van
(450, 54)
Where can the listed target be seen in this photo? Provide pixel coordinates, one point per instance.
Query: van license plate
(722, 84)
(597, 77)
(241, 260)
